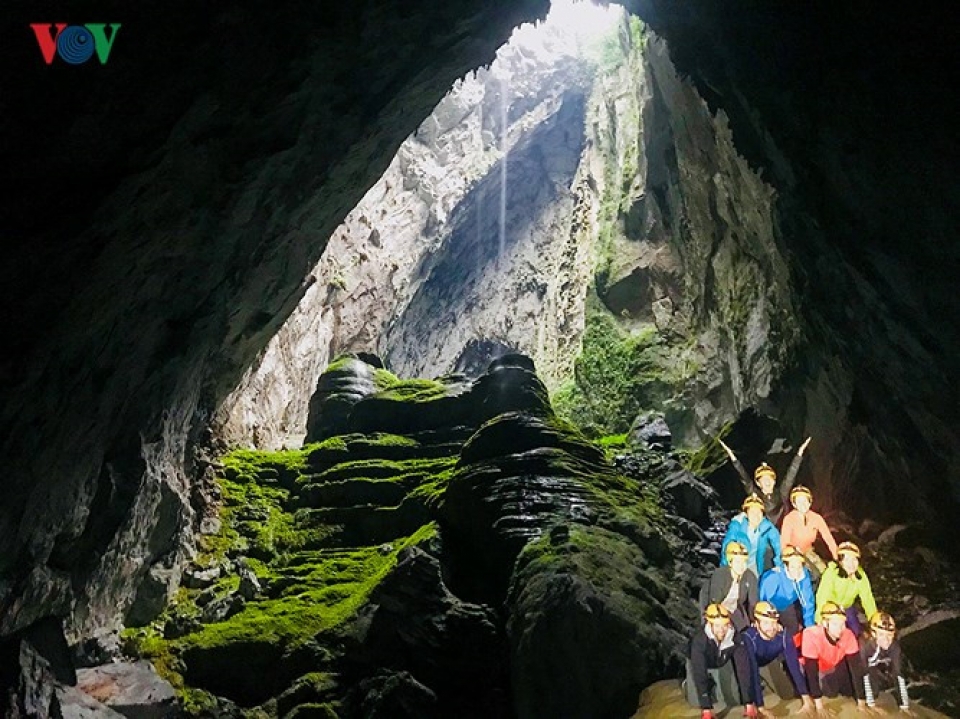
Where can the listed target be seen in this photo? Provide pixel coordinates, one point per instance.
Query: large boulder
(344, 383)
(394, 695)
(591, 622)
(413, 621)
(691, 498)
(133, 689)
(650, 429)
(517, 475)
(35, 663)
(355, 397)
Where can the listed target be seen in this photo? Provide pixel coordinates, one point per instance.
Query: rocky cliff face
(417, 272)
(852, 249)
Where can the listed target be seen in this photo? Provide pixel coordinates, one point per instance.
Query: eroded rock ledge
(347, 578)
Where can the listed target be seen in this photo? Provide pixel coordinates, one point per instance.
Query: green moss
(317, 682)
(431, 492)
(413, 390)
(638, 36)
(332, 444)
(617, 375)
(253, 522)
(407, 471)
(608, 231)
(245, 464)
(383, 379)
(381, 439)
(320, 596)
(707, 458)
(197, 701)
(310, 593)
(341, 364)
(613, 440)
(306, 591)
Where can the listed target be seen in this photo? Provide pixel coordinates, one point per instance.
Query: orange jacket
(801, 531)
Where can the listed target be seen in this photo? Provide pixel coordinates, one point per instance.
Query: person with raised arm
(765, 480)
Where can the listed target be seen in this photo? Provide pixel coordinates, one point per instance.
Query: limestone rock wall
(716, 214)
(415, 271)
(845, 340)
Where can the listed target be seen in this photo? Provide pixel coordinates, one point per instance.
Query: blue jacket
(781, 591)
(767, 536)
(763, 651)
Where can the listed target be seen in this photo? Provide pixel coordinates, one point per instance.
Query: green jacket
(845, 590)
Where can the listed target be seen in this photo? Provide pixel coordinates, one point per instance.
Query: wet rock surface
(379, 573)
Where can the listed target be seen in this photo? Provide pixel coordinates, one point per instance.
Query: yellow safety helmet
(735, 549)
(763, 469)
(791, 551)
(717, 613)
(754, 500)
(832, 609)
(798, 491)
(765, 610)
(848, 548)
(882, 620)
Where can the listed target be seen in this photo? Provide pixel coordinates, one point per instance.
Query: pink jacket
(801, 531)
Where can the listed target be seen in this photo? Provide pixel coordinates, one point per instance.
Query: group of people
(774, 601)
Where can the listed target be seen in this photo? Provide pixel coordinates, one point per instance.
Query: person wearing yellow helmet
(831, 658)
(718, 646)
(802, 526)
(766, 642)
(789, 588)
(765, 479)
(755, 532)
(881, 656)
(733, 585)
(844, 582)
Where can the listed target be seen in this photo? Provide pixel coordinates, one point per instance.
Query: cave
(748, 217)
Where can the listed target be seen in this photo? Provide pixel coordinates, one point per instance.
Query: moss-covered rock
(620, 372)
(346, 381)
(412, 609)
(315, 568)
(591, 622)
(347, 578)
(312, 692)
(521, 474)
(412, 406)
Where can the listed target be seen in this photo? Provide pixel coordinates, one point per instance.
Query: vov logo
(75, 44)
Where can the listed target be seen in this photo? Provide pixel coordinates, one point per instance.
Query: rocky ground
(663, 700)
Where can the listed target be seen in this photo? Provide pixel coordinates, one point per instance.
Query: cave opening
(298, 446)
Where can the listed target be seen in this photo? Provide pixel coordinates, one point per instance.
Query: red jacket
(817, 646)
